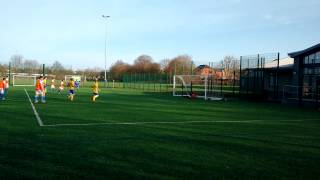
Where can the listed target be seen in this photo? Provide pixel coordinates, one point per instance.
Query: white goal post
(23, 80)
(74, 77)
(199, 86)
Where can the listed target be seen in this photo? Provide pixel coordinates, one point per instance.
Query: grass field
(131, 134)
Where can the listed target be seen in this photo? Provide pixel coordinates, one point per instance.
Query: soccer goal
(74, 77)
(194, 86)
(22, 80)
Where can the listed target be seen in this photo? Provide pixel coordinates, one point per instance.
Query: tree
(182, 64)
(31, 66)
(3, 69)
(229, 64)
(118, 69)
(92, 73)
(164, 63)
(57, 67)
(145, 64)
(16, 61)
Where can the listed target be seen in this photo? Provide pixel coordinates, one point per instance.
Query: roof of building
(203, 66)
(283, 63)
(298, 53)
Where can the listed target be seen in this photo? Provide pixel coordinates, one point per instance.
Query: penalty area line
(168, 122)
(34, 110)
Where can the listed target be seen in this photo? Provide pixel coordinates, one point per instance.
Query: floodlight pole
(105, 49)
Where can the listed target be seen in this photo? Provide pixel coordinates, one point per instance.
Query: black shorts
(95, 94)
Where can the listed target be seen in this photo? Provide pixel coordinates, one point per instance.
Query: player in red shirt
(39, 90)
(2, 88)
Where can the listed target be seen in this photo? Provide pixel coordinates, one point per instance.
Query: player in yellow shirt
(71, 89)
(44, 92)
(95, 90)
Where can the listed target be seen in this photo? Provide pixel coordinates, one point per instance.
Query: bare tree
(3, 69)
(57, 66)
(31, 66)
(16, 61)
(164, 63)
(230, 65)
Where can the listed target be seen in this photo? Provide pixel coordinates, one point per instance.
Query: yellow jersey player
(44, 82)
(71, 89)
(95, 90)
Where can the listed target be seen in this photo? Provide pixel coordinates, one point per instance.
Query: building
(306, 75)
(278, 76)
(206, 70)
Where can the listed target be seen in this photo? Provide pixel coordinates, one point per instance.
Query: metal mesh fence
(259, 76)
(157, 82)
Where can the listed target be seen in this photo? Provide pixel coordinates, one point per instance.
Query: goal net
(194, 86)
(74, 77)
(22, 80)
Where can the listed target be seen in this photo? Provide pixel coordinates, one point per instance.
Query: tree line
(182, 64)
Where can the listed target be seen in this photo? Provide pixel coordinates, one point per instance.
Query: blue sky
(72, 31)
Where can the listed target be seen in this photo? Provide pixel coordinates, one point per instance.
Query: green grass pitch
(141, 135)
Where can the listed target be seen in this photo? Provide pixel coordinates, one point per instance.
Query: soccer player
(77, 84)
(39, 90)
(6, 88)
(71, 89)
(95, 90)
(44, 83)
(53, 85)
(2, 88)
(61, 88)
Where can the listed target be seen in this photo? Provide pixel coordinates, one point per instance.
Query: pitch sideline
(35, 110)
(168, 122)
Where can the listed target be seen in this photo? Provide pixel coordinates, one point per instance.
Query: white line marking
(173, 122)
(34, 110)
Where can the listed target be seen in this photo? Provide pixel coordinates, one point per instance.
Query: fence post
(234, 82)
(221, 84)
(277, 80)
(160, 80)
(248, 77)
(43, 69)
(240, 80)
(318, 93)
(123, 81)
(154, 82)
(10, 73)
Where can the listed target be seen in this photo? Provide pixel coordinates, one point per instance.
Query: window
(317, 60)
(306, 60)
(312, 57)
(271, 80)
(309, 71)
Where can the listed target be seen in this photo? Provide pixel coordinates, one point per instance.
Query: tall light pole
(105, 50)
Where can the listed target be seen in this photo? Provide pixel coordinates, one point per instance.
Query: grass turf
(268, 149)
